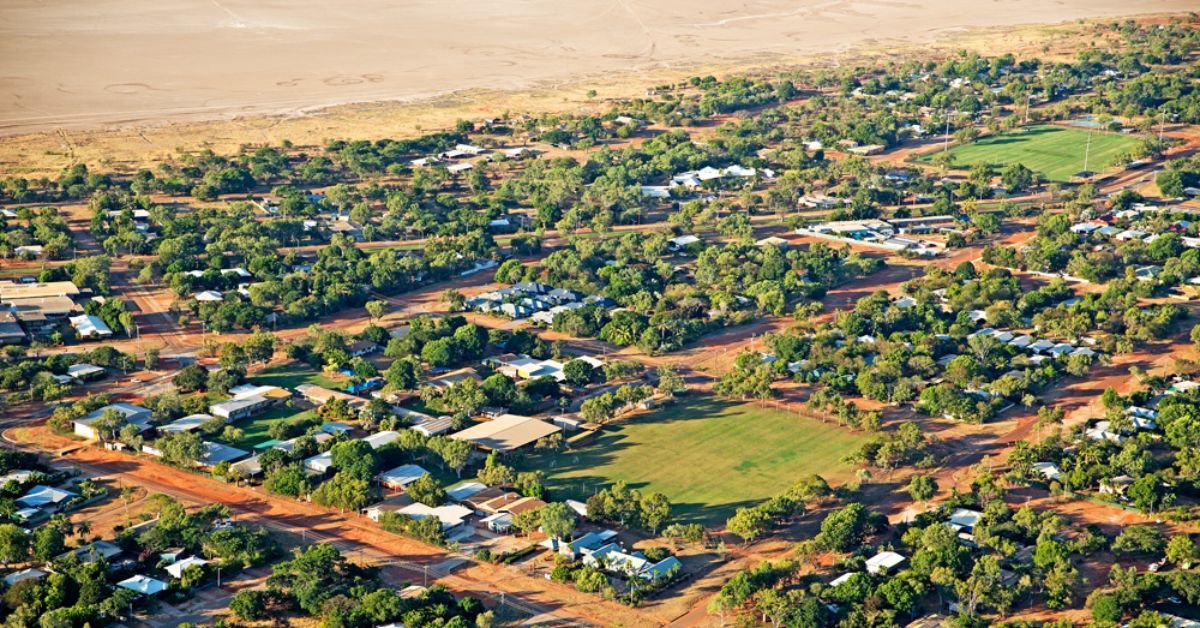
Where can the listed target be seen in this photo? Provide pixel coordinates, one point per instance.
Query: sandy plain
(69, 66)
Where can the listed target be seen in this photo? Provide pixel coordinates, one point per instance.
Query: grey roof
(216, 453)
(136, 415)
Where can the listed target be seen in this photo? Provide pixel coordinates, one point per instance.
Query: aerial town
(913, 341)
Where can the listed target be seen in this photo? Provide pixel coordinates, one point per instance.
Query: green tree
(180, 448)
(670, 382)
(250, 605)
(14, 544)
(749, 523)
(150, 359)
(557, 520)
(376, 309)
(577, 372)
(655, 511)
(48, 542)
(846, 527)
(1181, 551)
(426, 490)
(288, 480)
(354, 457)
(343, 491)
(922, 488)
(1170, 183)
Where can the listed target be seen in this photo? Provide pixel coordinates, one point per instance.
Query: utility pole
(1028, 100)
(946, 141)
(1162, 123)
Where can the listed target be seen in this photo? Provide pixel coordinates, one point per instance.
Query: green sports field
(708, 456)
(1054, 151)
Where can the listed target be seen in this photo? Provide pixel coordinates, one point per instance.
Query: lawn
(293, 374)
(286, 376)
(255, 429)
(1056, 152)
(708, 456)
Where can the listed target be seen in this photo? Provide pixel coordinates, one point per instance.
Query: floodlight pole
(1087, 150)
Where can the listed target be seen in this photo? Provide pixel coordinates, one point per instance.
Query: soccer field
(1054, 151)
(708, 456)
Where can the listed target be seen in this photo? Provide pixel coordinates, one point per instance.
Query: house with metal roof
(241, 408)
(400, 477)
(212, 454)
(88, 326)
(189, 423)
(143, 584)
(134, 415)
(177, 568)
(884, 562)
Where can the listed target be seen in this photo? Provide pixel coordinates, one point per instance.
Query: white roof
(143, 584)
(83, 370)
(402, 476)
(380, 439)
(1048, 470)
(320, 463)
(89, 325)
(208, 295)
(684, 240)
(450, 515)
(965, 517)
(465, 490)
(187, 423)
(242, 391)
(883, 561)
(176, 569)
(842, 579)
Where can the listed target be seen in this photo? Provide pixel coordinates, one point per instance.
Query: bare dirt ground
(191, 74)
(403, 560)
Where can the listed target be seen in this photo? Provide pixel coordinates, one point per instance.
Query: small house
(144, 585)
(884, 562)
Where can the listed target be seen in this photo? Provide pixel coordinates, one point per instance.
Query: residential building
(134, 415)
(317, 396)
(44, 497)
(212, 454)
(177, 569)
(189, 423)
(240, 408)
(884, 562)
(85, 372)
(400, 477)
(451, 516)
(145, 585)
(90, 327)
